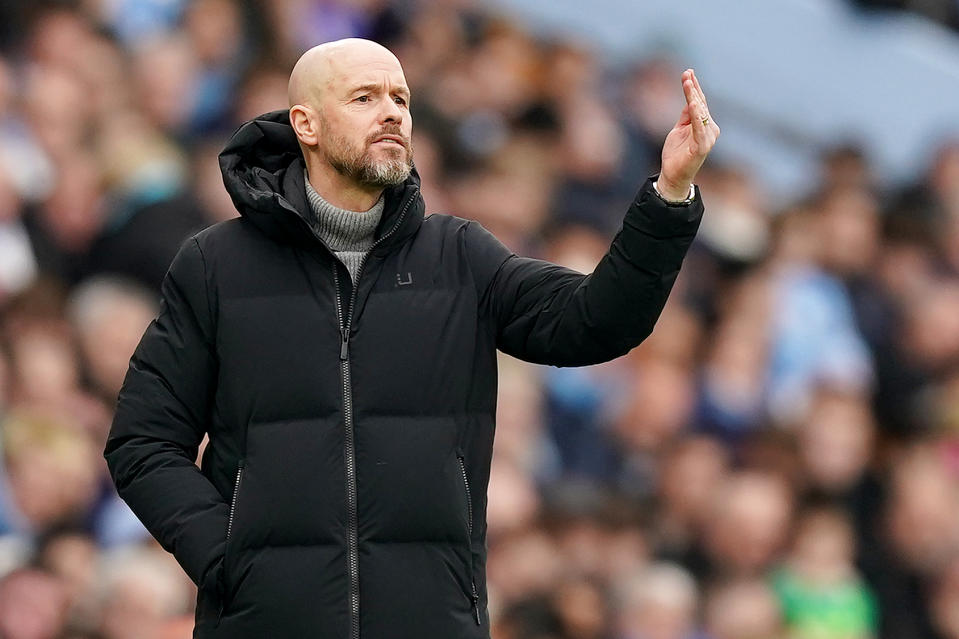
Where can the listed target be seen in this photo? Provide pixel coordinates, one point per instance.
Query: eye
(400, 100)
(363, 98)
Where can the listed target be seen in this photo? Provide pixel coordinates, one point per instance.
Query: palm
(680, 152)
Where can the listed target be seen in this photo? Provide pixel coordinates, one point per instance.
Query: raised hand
(688, 143)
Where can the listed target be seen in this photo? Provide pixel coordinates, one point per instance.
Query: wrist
(672, 194)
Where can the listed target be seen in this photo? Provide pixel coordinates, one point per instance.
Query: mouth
(390, 139)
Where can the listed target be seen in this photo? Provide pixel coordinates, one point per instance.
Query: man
(339, 349)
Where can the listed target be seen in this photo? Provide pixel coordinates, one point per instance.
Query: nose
(392, 112)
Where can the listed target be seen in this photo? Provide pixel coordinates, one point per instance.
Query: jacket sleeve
(162, 413)
(548, 314)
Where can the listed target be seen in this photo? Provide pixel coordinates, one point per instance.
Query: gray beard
(362, 168)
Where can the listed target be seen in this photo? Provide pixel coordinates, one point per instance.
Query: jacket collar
(263, 168)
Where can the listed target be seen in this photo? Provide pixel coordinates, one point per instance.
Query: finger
(698, 114)
(699, 89)
(712, 124)
(684, 117)
(689, 89)
(697, 110)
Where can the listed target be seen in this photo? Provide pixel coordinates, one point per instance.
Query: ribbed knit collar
(342, 230)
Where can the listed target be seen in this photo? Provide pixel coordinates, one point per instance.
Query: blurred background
(779, 460)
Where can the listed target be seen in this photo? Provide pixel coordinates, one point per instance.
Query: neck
(339, 190)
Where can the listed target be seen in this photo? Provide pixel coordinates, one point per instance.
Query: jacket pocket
(227, 594)
(474, 597)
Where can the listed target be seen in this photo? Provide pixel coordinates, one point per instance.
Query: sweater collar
(342, 230)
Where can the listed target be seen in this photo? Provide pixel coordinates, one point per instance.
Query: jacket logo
(401, 281)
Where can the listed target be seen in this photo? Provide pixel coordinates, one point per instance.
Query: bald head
(330, 62)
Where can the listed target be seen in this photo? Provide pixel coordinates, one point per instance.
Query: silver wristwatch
(688, 200)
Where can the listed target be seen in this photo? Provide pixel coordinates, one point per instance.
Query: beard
(360, 165)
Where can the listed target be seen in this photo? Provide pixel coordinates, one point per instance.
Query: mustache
(394, 130)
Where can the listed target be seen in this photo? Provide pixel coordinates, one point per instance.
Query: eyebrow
(372, 86)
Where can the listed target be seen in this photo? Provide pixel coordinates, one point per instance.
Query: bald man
(339, 347)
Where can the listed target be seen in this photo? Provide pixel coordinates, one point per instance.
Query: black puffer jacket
(343, 490)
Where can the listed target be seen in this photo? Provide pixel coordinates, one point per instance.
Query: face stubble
(360, 165)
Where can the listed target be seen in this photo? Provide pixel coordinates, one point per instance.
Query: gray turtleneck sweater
(349, 234)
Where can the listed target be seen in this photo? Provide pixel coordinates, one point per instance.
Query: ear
(304, 124)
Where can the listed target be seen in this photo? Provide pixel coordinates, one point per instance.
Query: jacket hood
(263, 167)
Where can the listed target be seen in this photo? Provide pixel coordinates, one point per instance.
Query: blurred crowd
(780, 458)
(945, 12)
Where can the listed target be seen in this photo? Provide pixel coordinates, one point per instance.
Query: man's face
(365, 120)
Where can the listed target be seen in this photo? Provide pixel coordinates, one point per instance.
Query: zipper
(349, 457)
(474, 597)
(229, 528)
(349, 452)
(236, 491)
